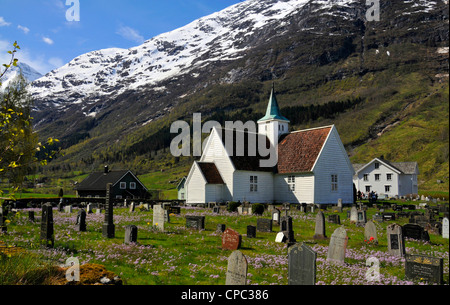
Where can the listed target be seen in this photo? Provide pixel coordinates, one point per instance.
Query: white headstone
(237, 269)
(445, 227)
(158, 217)
(280, 237)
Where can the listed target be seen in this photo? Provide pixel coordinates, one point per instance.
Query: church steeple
(273, 124)
(273, 110)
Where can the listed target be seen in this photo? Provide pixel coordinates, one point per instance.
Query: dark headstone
(81, 221)
(174, 210)
(334, 218)
(221, 228)
(264, 225)
(131, 234)
(302, 265)
(231, 240)
(47, 236)
(424, 268)
(108, 228)
(251, 231)
(195, 222)
(415, 231)
(31, 216)
(388, 216)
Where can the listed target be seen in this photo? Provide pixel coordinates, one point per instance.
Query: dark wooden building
(125, 185)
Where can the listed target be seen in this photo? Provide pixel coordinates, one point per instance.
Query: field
(182, 256)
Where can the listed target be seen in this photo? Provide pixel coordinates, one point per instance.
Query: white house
(387, 178)
(312, 167)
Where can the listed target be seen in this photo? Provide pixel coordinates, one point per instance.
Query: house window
(366, 177)
(123, 185)
(132, 185)
(387, 188)
(368, 187)
(291, 183)
(377, 165)
(253, 183)
(334, 183)
(377, 177)
(389, 177)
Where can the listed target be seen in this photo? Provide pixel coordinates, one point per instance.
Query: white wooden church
(312, 167)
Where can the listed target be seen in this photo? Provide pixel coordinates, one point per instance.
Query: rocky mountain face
(28, 73)
(314, 50)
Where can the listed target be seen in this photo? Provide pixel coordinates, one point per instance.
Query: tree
(18, 142)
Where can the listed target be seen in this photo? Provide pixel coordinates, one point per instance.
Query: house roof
(210, 172)
(298, 151)
(97, 181)
(407, 168)
(273, 110)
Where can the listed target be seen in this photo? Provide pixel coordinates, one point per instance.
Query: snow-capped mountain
(28, 73)
(254, 40)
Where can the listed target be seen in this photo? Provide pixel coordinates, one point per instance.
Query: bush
(257, 208)
(232, 206)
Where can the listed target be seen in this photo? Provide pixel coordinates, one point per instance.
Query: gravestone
(353, 215)
(251, 231)
(377, 217)
(320, 226)
(89, 208)
(132, 207)
(415, 231)
(98, 211)
(361, 219)
(334, 218)
(280, 238)
(236, 269)
(81, 221)
(337, 246)
(221, 228)
(396, 240)
(264, 225)
(302, 265)
(131, 232)
(159, 217)
(287, 228)
(47, 236)
(31, 216)
(68, 209)
(370, 233)
(216, 210)
(231, 240)
(388, 216)
(108, 228)
(195, 222)
(424, 268)
(445, 227)
(276, 214)
(3, 222)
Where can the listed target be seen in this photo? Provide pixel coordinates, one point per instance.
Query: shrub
(232, 206)
(257, 208)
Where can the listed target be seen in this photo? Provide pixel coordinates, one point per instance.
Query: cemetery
(167, 244)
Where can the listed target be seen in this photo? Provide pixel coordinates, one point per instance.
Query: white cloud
(56, 62)
(3, 22)
(23, 28)
(47, 40)
(130, 34)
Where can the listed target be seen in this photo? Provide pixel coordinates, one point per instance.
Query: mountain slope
(28, 73)
(116, 106)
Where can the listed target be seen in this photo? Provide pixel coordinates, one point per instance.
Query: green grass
(183, 256)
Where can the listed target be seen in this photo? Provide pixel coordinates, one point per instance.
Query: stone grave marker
(47, 236)
(377, 217)
(3, 222)
(231, 240)
(68, 209)
(276, 214)
(396, 240)
(264, 225)
(132, 207)
(131, 232)
(89, 208)
(320, 226)
(353, 215)
(334, 218)
(159, 217)
(362, 219)
(195, 222)
(280, 238)
(81, 221)
(424, 268)
(445, 227)
(337, 246)
(31, 216)
(108, 228)
(236, 269)
(388, 216)
(370, 233)
(415, 231)
(301, 265)
(286, 227)
(221, 228)
(251, 232)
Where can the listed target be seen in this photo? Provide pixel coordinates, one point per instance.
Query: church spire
(273, 110)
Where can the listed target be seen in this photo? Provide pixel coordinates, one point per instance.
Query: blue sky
(49, 40)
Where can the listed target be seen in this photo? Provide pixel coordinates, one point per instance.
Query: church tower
(273, 124)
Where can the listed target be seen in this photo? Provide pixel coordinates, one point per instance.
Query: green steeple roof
(273, 110)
